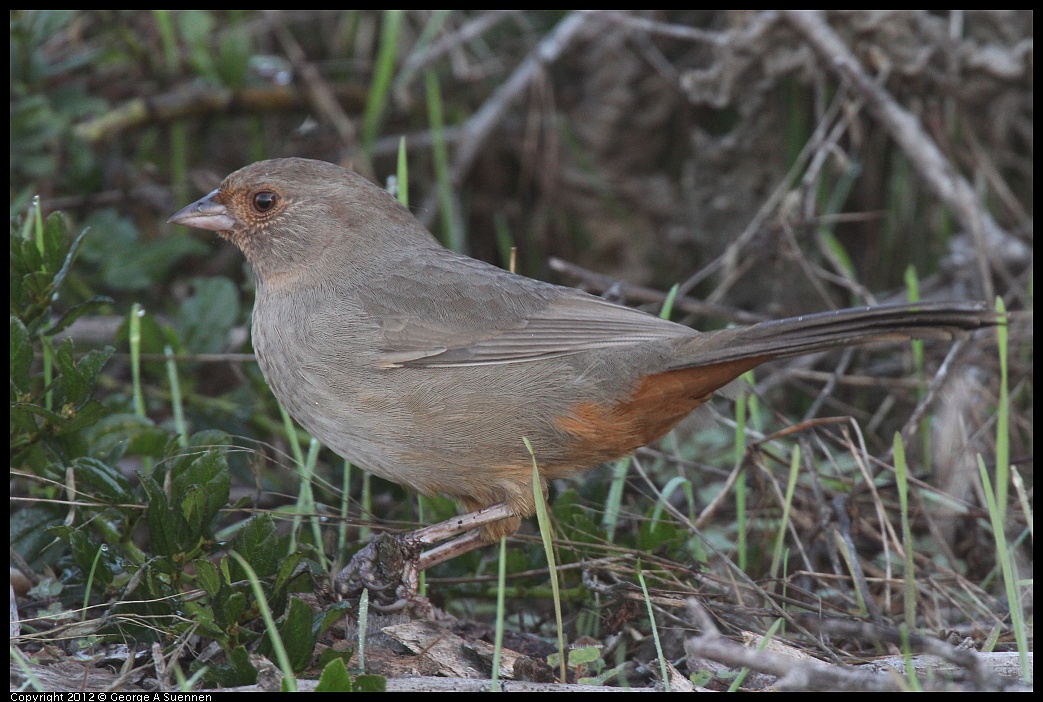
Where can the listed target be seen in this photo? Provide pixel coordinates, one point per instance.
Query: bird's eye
(265, 201)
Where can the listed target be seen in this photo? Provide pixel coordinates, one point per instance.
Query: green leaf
(205, 318)
(297, 636)
(70, 253)
(55, 246)
(574, 518)
(202, 488)
(584, 655)
(207, 576)
(21, 358)
(287, 570)
(843, 260)
(194, 511)
(231, 609)
(27, 257)
(31, 532)
(330, 617)
(335, 678)
(75, 312)
(657, 535)
(237, 671)
(258, 543)
(83, 418)
(101, 481)
(47, 415)
(211, 438)
(72, 382)
(18, 294)
(84, 551)
(202, 615)
(126, 262)
(88, 368)
(127, 433)
(87, 415)
(76, 380)
(166, 527)
(331, 654)
(200, 480)
(370, 683)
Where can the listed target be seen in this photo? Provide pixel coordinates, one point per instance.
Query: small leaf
(72, 382)
(574, 518)
(166, 527)
(202, 615)
(329, 617)
(329, 655)
(295, 630)
(70, 255)
(258, 543)
(208, 474)
(88, 368)
(102, 481)
(75, 312)
(84, 551)
(55, 246)
(237, 671)
(194, 513)
(28, 257)
(370, 683)
(207, 576)
(86, 416)
(47, 415)
(658, 535)
(584, 655)
(288, 570)
(21, 356)
(231, 609)
(125, 260)
(335, 677)
(205, 318)
(31, 530)
(127, 433)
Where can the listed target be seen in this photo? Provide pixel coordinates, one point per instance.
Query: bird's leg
(464, 522)
(390, 565)
(450, 549)
(467, 524)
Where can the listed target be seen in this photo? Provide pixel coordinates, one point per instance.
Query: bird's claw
(388, 568)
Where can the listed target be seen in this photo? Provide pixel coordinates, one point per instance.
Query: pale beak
(205, 213)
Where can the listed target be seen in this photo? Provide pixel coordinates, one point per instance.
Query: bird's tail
(827, 330)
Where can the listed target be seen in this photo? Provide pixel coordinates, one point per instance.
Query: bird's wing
(470, 313)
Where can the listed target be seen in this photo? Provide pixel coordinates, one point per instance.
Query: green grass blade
(665, 675)
(791, 486)
(501, 586)
(543, 518)
(289, 680)
(451, 238)
(376, 101)
(902, 483)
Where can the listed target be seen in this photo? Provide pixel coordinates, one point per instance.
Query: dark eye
(265, 201)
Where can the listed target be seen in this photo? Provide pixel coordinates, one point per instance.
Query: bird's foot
(389, 567)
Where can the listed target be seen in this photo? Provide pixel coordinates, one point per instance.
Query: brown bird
(428, 368)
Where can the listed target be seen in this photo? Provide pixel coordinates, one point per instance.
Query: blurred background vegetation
(712, 149)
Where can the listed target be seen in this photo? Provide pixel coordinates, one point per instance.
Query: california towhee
(428, 368)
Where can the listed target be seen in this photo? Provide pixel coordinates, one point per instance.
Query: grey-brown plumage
(428, 368)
